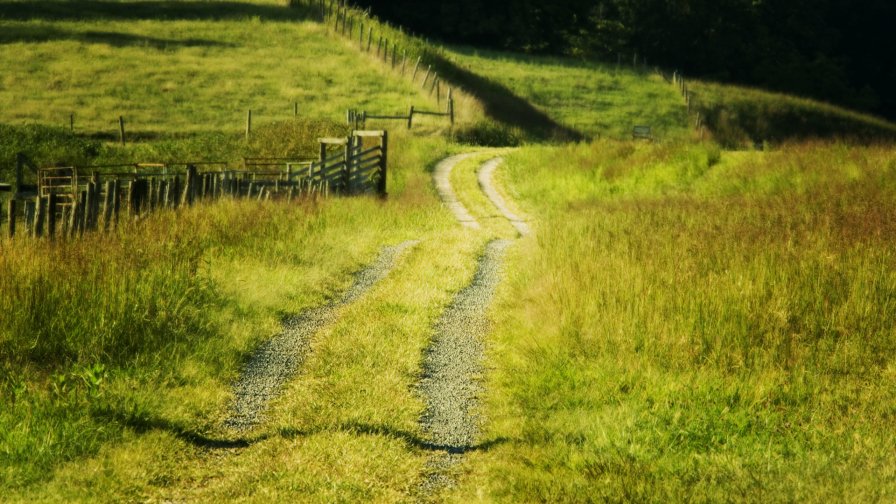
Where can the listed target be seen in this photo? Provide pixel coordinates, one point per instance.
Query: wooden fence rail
(68, 201)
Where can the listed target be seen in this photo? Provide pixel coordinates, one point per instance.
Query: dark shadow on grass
(408, 438)
(143, 423)
(502, 105)
(37, 34)
(158, 9)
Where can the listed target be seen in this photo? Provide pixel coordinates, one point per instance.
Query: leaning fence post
(416, 67)
(248, 124)
(411, 117)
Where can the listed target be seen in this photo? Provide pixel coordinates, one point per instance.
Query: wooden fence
(690, 101)
(401, 53)
(359, 118)
(67, 201)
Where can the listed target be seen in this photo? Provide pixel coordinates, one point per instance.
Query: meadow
(691, 324)
(594, 99)
(686, 323)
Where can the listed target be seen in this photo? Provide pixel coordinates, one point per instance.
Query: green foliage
(741, 117)
(44, 146)
(486, 134)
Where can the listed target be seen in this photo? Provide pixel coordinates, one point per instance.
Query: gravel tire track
(442, 180)
(279, 359)
(451, 370)
(486, 183)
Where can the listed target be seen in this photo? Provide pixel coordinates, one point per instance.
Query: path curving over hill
(487, 184)
(442, 180)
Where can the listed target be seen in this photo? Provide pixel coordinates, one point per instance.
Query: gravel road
(486, 183)
(280, 358)
(442, 180)
(452, 367)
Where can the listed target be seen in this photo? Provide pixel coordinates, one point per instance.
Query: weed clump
(487, 134)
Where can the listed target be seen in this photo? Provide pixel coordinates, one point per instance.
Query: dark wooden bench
(642, 132)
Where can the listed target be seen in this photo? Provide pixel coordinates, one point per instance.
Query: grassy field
(687, 323)
(593, 99)
(181, 67)
(695, 325)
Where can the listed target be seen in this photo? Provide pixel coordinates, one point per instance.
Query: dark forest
(839, 51)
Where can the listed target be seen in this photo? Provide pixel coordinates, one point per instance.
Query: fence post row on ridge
(338, 15)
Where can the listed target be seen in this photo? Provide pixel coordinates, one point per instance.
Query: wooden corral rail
(69, 200)
(359, 119)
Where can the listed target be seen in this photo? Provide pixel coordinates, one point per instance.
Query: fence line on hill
(690, 101)
(68, 201)
(372, 37)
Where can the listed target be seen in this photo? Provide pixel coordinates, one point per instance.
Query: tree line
(840, 51)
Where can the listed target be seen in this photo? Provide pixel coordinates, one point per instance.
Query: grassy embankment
(743, 117)
(695, 325)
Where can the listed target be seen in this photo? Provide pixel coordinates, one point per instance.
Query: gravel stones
(280, 358)
(442, 180)
(486, 183)
(452, 367)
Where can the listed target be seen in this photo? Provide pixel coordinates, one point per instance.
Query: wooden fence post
(28, 217)
(121, 128)
(88, 206)
(116, 200)
(189, 186)
(174, 192)
(426, 78)
(369, 38)
(132, 199)
(107, 205)
(451, 106)
(416, 67)
(411, 117)
(11, 213)
(384, 156)
(52, 201)
(37, 229)
(248, 124)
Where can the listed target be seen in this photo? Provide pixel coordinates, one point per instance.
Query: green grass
(695, 326)
(687, 323)
(183, 299)
(183, 74)
(742, 117)
(591, 98)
